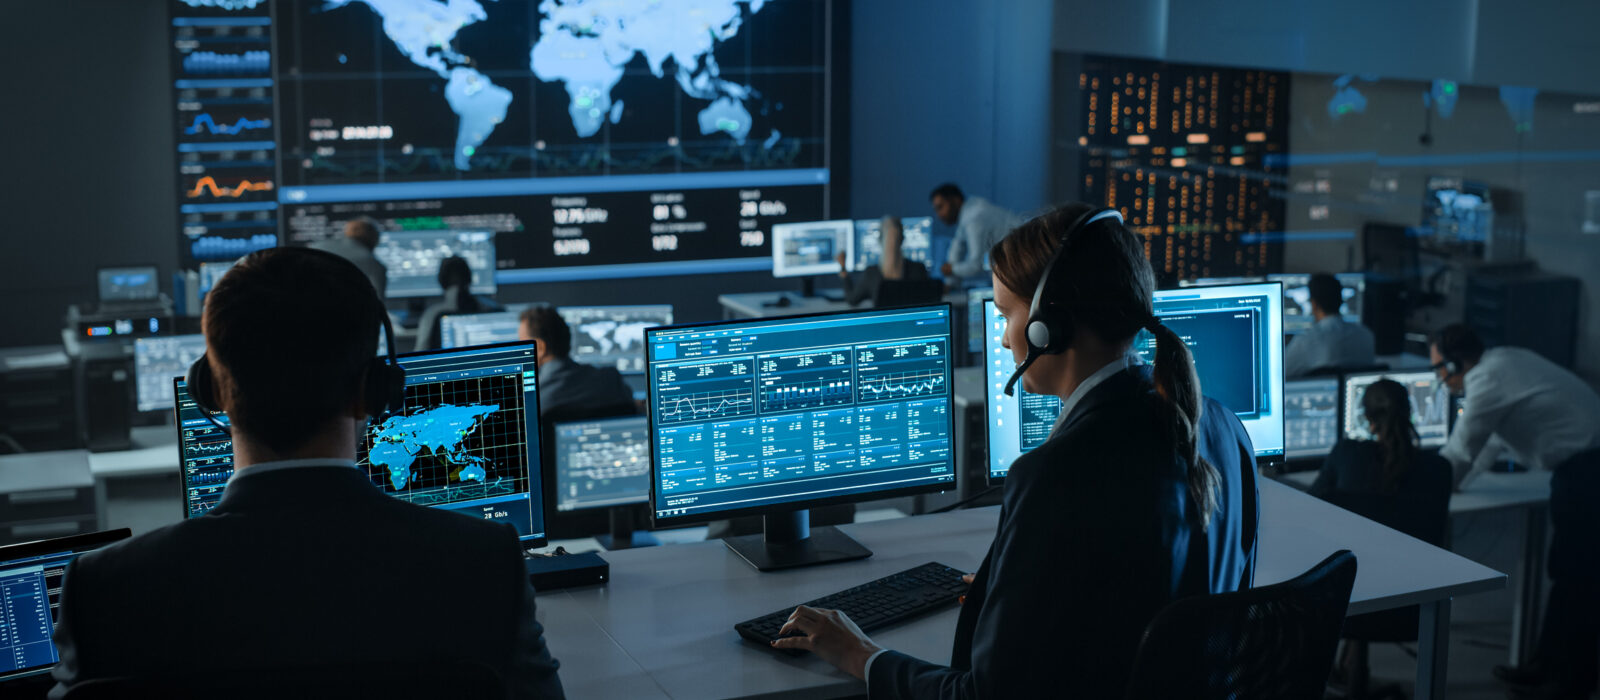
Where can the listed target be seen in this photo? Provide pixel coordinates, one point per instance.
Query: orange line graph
(208, 183)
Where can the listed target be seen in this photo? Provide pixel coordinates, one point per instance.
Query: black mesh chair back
(908, 292)
(1271, 643)
(420, 681)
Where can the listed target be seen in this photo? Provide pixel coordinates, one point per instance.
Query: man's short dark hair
(289, 333)
(364, 230)
(548, 327)
(1326, 292)
(948, 190)
(1459, 342)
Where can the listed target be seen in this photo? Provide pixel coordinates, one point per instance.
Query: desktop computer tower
(105, 401)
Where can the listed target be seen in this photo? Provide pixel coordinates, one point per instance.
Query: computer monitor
(1297, 316)
(613, 336)
(812, 248)
(467, 330)
(129, 284)
(975, 317)
(774, 416)
(156, 360)
(1458, 211)
(211, 272)
(602, 463)
(412, 259)
(1235, 333)
(1430, 404)
(1310, 417)
(916, 245)
(30, 576)
(467, 440)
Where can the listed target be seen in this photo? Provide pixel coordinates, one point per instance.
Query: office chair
(449, 679)
(908, 292)
(583, 523)
(1275, 642)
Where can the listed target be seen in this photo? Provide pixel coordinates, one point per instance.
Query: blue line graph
(204, 121)
(903, 385)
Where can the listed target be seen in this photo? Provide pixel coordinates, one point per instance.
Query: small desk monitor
(467, 330)
(916, 245)
(1430, 404)
(602, 463)
(211, 272)
(975, 317)
(613, 336)
(156, 360)
(412, 259)
(1236, 335)
(467, 440)
(128, 284)
(1297, 299)
(1310, 417)
(30, 576)
(775, 416)
(806, 249)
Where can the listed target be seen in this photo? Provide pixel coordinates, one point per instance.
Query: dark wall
(88, 176)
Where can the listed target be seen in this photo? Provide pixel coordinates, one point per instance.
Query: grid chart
(476, 455)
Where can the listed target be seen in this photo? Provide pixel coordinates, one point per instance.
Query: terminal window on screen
(1226, 359)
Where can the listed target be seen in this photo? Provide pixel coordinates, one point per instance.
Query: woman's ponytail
(1176, 381)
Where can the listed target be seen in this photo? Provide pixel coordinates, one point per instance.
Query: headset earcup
(386, 388)
(1050, 331)
(201, 385)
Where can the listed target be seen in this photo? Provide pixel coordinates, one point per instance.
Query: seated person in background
(1392, 481)
(563, 382)
(1547, 418)
(894, 265)
(304, 562)
(1104, 524)
(455, 278)
(1330, 343)
(360, 239)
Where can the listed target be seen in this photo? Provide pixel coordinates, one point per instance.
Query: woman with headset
(1120, 512)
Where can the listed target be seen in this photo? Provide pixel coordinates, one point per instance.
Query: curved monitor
(783, 414)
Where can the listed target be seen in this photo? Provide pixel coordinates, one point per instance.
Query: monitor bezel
(784, 272)
(555, 469)
(1422, 443)
(70, 545)
(144, 339)
(156, 275)
(658, 521)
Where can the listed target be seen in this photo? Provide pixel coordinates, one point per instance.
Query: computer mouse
(783, 301)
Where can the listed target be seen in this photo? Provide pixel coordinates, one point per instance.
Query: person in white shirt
(1548, 418)
(979, 226)
(1331, 343)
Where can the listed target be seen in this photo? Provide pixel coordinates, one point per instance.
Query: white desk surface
(672, 609)
(754, 304)
(155, 451)
(1486, 492)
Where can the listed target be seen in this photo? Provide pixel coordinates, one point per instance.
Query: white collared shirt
(1089, 384)
(1542, 412)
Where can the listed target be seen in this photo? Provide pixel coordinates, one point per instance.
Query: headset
(1051, 327)
(385, 382)
(1450, 349)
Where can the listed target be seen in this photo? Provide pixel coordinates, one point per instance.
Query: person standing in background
(360, 239)
(979, 226)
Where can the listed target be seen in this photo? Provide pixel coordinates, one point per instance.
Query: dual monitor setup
(1319, 411)
(809, 249)
(757, 417)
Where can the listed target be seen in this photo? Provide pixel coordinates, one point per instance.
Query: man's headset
(1051, 326)
(1452, 362)
(385, 382)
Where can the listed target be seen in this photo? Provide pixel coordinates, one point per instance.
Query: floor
(1479, 630)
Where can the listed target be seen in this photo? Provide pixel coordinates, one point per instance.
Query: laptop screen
(30, 580)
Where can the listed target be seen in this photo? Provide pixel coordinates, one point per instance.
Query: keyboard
(874, 605)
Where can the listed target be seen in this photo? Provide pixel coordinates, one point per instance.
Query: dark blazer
(1352, 478)
(308, 566)
(857, 291)
(1096, 535)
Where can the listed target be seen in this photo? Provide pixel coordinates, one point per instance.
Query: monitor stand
(789, 542)
(808, 286)
(623, 535)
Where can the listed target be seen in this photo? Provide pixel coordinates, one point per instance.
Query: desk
(756, 305)
(155, 452)
(1529, 491)
(672, 609)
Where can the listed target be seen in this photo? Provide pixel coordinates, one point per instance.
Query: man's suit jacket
(305, 566)
(1096, 535)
